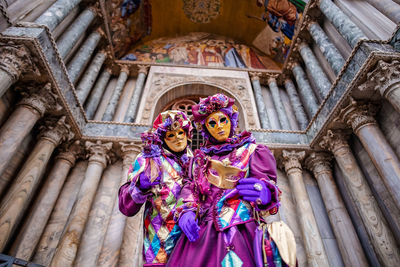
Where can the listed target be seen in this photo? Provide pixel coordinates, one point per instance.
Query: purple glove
(144, 182)
(254, 190)
(189, 225)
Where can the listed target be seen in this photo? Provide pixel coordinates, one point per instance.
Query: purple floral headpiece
(211, 104)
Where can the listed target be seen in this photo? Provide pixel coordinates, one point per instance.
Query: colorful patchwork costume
(227, 223)
(165, 170)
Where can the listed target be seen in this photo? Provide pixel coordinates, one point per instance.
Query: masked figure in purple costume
(155, 179)
(231, 179)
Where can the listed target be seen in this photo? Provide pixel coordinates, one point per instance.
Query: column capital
(357, 115)
(129, 151)
(335, 140)
(383, 77)
(292, 63)
(255, 76)
(319, 163)
(143, 69)
(98, 152)
(42, 100)
(124, 68)
(56, 130)
(15, 59)
(272, 78)
(291, 160)
(71, 152)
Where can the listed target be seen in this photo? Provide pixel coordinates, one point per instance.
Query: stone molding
(335, 140)
(319, 163)
(291, 160)
(98, 152)
(16, 60)
(56, 130)
(383, 77)
(357, 115)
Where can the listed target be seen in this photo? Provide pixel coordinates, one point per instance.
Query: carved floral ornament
(56, 130)
(98, 152)
(335, 140)
(319, 162)
(291, 160)
(357, 114)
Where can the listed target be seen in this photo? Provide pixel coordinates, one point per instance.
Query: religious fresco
(201, 11)
(202, 49)
(280, 17)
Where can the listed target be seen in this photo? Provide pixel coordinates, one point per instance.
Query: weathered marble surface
(134, 104)
(271, 111)
(112, 105)
(124, 100)
(283, 119)
(262, 113)
(305, 91)
(97, 93)
(296, 104)
(388, 8)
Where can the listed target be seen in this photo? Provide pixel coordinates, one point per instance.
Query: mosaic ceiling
(221, 33)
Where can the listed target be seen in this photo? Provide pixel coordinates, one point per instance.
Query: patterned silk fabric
(161, 231)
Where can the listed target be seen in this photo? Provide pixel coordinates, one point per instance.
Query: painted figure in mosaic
(232, 180)
(155, 179)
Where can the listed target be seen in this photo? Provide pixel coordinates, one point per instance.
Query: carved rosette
(319, 163)
(71, 152)
(383, 77)
(98, 152)
(41, 101)
(56, 131)
(335, 141)
(357, 115)
(143, 69)
(291, 160)
(15, 60)
(129, 152)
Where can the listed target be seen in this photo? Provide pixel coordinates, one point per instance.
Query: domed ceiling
(215, 33)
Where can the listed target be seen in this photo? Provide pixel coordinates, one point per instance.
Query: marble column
(29, 110)
(111, 250)
(262, 113)
(90, 76)
(97, 93)
(112, 105)
(14, 60)
(316, 255)
(305, 90)
(385, 78)
(372, 217)
(99, 218)
(29, 236)
(327, 48)
(17, 199)
(134, 104)
(346, 236)
(55, 226)
(388, 8)
(283, 119)
(68, 245)
(270, 108)
(71, 35)
(342, 22)
(358, 116)
(321, 80)
(296, 104)
(123, 103)
(82, 57)
(56, 13)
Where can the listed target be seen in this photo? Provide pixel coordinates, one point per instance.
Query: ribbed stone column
(59, 216)
(342, 23)
(21, 122)
(88, 79)
(82, 57)
(56, 13)
(112, 105)
(68, 246)
(283, 119)
(99, 217)
(29, 235)
(313, 66)
(21, 192)
(14, 60)
(262, 113)
(69, 38)
(372, 217)
(133, 106)
(115, 232)
(270, 108)
(97, 93)
(388, 8)
(382, 155)
(305, 90)
(346, 236)
(316, 255)
(328, 49)
(296, 104)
